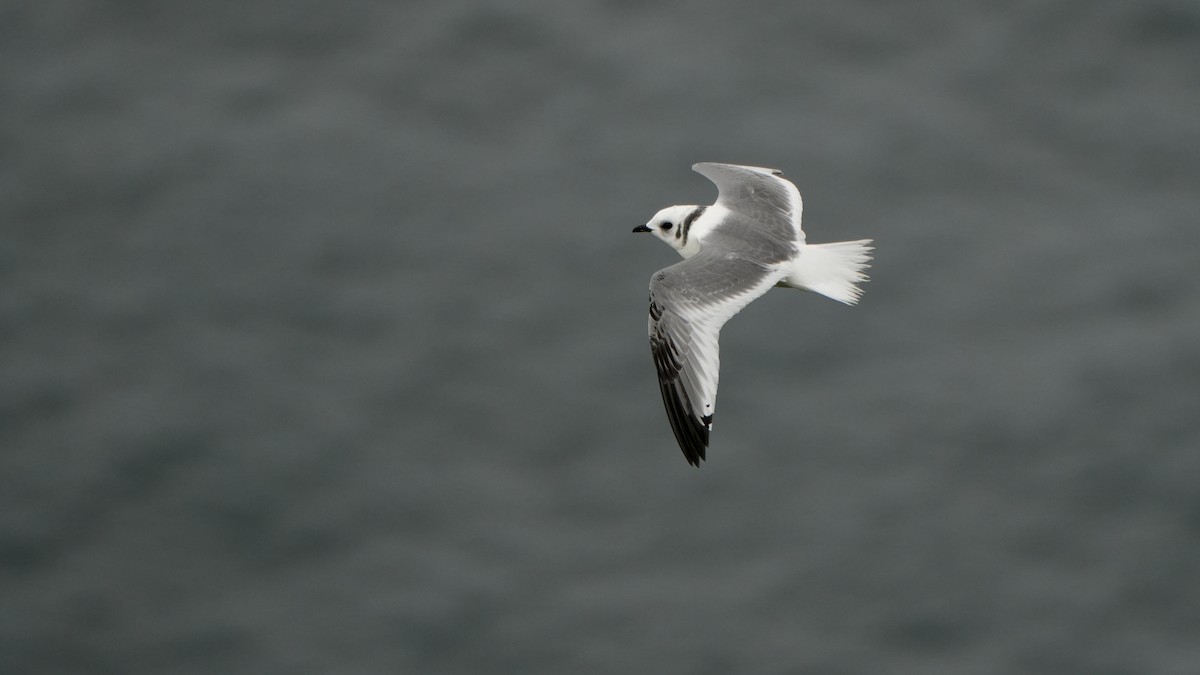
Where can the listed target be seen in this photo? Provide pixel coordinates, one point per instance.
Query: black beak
(641, 228)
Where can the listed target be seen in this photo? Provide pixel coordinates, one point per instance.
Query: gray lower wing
(689, 302)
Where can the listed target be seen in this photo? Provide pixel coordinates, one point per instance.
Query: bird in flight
(734, 251)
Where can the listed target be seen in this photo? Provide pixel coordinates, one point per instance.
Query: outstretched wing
(689, 302)
(763, 195)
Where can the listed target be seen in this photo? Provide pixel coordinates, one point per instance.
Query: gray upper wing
(761, 195)
(689, 302)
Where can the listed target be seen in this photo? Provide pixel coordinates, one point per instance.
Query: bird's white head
(674, 226)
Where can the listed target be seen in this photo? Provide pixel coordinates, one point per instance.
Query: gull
(734, 251)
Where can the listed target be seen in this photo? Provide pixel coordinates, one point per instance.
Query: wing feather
(760, 194)
(689, 303)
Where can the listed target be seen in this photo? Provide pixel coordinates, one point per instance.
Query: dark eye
(667, 226)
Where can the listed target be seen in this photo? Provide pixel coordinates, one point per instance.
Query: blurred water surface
(322, 339)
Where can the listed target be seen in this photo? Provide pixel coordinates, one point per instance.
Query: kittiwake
(734, 251)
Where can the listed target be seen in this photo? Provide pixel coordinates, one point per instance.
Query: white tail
(833, 270)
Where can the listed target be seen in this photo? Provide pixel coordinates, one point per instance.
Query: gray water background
(322, 339)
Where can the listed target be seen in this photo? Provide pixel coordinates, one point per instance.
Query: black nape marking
(687, 223)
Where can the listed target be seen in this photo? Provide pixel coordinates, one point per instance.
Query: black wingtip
(691, 431)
